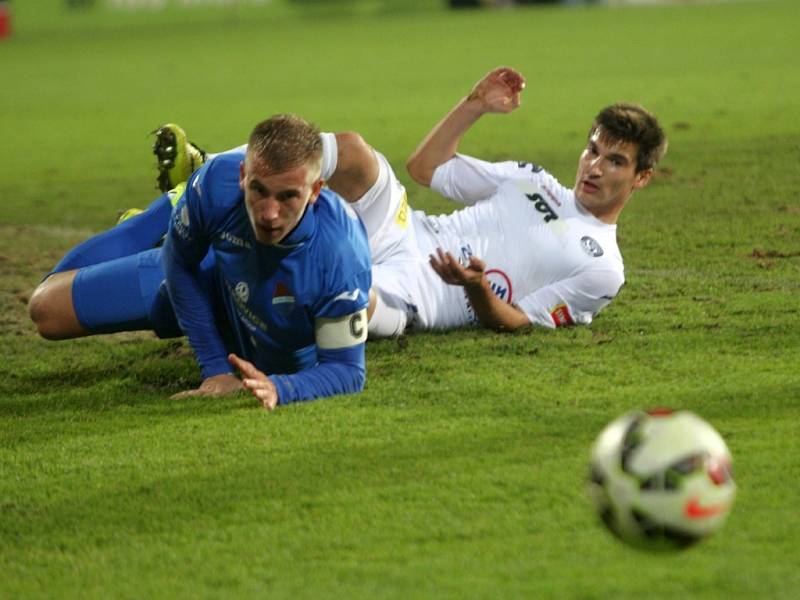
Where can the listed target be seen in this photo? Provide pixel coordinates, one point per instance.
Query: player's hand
(256, 381)
(499, 90)
(454, 273)
(217, 385)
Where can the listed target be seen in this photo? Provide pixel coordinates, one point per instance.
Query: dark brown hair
(623, 122)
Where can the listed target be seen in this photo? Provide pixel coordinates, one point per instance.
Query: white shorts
(386, 216)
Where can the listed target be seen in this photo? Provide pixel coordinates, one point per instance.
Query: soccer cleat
(177, 156)
(125, 215)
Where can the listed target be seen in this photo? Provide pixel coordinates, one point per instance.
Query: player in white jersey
(526, 250)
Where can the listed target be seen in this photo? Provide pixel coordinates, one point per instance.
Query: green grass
(459, 472)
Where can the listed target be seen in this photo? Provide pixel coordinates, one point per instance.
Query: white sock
(386, 321)
(330, 155)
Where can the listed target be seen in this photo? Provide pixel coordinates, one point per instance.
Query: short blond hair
(285, 142)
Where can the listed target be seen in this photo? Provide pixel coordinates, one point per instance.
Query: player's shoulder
(338, 221)
(216, 183)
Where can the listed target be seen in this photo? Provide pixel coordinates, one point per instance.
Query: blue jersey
(297, 307)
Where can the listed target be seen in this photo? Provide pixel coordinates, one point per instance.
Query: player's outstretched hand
(218, 385)
(256, 381)
(454, 273)
(499, 91)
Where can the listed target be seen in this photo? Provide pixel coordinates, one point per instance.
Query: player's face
(277, 201)
(607, 176)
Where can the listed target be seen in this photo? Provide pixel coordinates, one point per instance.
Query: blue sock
(137, 234)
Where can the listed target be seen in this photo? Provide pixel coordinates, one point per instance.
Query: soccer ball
(661, 480)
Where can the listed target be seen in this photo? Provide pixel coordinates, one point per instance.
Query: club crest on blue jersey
(282, 299)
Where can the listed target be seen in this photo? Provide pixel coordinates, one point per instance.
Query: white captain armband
(341, 332)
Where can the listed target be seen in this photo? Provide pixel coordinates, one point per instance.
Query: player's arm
(491, 311)
(574, 300)
(497, 92)
(340, 368)
(185, 247)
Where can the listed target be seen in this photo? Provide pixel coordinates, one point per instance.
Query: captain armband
(341, 332)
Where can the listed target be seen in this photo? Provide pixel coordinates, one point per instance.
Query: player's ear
(642, 178)
(316, 188)
(241, 175)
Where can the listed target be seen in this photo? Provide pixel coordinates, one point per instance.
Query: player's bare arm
(492, 312)
(499, 91)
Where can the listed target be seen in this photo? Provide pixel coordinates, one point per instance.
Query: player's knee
(45, 312)
(39, 311)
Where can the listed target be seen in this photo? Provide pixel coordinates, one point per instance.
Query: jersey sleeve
(572, 301)
(186, 245)
(340, 329)
(468, 180)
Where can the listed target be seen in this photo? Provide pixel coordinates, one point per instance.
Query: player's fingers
(247, 368)
(476, 264)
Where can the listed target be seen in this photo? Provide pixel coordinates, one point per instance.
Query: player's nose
(269, 209)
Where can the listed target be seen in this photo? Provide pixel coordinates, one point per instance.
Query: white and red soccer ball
(661, 480)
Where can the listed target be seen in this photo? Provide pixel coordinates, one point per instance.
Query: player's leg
(117, 295)
(177, 157)
(138, 233)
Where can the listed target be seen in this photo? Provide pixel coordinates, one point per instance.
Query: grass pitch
(459, 472)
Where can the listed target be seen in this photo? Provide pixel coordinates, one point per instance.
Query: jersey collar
(302, 232)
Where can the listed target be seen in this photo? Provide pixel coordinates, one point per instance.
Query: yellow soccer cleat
(127, 214)
(177, 156)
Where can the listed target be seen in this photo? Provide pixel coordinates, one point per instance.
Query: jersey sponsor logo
(560, 315)
(227, 236)
(500, 284)
(351, 296)
(540, 204)
(341, 332)
(401, 216)
(240, 294)
(591, 247)
(242, 291)
(529, 166)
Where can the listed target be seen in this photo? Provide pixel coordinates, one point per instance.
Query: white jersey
(543, 251)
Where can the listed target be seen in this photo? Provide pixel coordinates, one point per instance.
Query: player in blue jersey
(265, 271)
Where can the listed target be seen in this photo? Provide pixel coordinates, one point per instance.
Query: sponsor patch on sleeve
(341, 332)
(401, 216)
(560, 315)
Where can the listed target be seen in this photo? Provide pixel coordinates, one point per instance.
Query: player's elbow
(356, 166)
(419, 169)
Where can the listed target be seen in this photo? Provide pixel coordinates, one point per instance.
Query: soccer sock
(330, 155)
(136, 234)
(386, 321)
